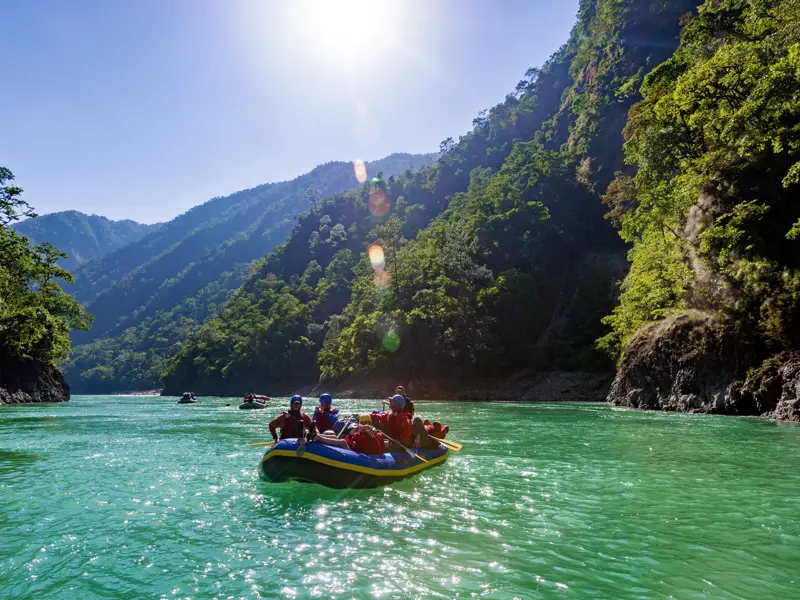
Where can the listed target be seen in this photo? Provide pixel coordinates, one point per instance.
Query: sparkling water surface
(137, 497)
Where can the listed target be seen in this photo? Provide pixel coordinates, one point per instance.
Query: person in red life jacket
(419, 435)
(396, 424)
(292, 422)
(408, 407)
(324, 416)
(364, 439)
(436, 430)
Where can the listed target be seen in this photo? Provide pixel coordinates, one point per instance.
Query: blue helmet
(295, 399)
(326, 398)
(398, 401)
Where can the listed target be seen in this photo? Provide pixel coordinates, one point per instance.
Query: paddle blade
(450, 444)
(262, 444)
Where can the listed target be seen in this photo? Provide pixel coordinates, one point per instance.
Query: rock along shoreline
(692, 362)
(28, 381)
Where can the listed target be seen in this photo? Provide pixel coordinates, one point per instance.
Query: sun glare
(344, 29)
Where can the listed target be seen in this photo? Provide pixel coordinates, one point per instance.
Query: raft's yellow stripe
(359, 468)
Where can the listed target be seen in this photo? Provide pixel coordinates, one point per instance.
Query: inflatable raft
(187, 399)
(253, 404)
(339, 468)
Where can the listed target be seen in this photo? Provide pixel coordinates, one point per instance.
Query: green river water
(136, 497)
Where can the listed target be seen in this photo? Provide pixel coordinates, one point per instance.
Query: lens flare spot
(381, 278)
(360, 169)
(376, 257)
(391, 341)
(378, 203)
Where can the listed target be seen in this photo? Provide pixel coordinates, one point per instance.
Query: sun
(345, 25)
(343, 30)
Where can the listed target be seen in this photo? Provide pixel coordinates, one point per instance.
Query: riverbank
(526, 386)
(27, 381)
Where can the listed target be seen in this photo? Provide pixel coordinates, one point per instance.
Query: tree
(35, 315)
(312, 196)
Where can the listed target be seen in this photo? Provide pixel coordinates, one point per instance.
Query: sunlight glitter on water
(136, 497)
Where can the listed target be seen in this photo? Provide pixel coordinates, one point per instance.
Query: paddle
(403, 447)
(344, 427)
(450, 444)
(263, 444)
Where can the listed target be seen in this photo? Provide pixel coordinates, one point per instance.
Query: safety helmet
(295, 400)
(398, 401)
(326, 398)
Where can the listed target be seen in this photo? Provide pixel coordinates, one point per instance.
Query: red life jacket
(289, 428)
(325, 419)
(396, 425)
(361, 441)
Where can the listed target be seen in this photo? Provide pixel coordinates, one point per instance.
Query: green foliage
(35, 315)
(715, 142)
(656, 285)
(152, 295)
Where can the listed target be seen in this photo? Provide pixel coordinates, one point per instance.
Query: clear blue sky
(142, 109)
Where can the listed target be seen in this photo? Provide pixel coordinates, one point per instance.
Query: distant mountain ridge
(82, 237)
(148, 296)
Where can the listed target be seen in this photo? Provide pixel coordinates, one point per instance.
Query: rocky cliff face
(693, 363)
(773, 388)
(23, 381)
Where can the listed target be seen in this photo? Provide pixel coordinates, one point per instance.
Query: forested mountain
(80, 236)
(494, 259)
(150, 295)
(35, 315)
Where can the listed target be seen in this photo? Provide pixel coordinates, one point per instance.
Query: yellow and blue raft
(340, 468)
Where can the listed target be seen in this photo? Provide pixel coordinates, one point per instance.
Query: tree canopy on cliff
(712, 210)
(36, 316)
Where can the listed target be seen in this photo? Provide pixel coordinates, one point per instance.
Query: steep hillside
(495, 259)
(148, 296)
(711, 209)
(80, 236)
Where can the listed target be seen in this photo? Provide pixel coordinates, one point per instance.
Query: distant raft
(339, 468)
(255, 403)
(187, 398)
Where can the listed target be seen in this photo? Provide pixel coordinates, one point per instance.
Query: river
(137, 497)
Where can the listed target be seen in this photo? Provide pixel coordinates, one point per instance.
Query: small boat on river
(187, 398)
(254, 402)
(336, 467)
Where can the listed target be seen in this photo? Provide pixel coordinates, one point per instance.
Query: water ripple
(135, 497)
